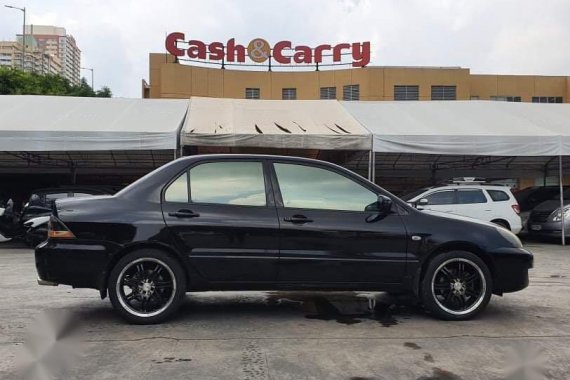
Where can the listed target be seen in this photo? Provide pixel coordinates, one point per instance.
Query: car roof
(223, 156)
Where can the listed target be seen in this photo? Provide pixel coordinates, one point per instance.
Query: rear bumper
(76, 263)
(547, 229)
(511, 267)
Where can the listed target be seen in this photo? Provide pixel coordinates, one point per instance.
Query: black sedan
(247, 222)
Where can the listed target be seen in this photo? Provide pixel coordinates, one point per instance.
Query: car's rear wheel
(457, 285)
(146, 286)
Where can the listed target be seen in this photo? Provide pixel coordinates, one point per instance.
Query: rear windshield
(498, 195)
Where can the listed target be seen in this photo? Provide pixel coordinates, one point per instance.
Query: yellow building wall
(171, 80)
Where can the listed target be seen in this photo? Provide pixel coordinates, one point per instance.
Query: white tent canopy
(466, 127)
(59, 123)
(303, 124)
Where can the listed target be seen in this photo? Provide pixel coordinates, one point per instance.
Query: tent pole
(373, 167)
(370, 165)
(562, 218)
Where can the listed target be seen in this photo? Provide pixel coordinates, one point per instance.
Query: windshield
(413, 194)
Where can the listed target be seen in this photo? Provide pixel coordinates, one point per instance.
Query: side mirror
(384, 204)
(423, 202)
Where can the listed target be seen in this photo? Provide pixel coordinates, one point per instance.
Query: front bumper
(510, 272)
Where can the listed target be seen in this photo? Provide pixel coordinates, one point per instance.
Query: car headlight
(510, 237)
(557, 217)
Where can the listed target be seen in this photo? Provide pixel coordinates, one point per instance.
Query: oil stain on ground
(345, 308)
(412, 345)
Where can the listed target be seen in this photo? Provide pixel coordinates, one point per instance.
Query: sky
(487, 36)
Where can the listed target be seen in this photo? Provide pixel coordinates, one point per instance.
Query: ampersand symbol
(258, 50)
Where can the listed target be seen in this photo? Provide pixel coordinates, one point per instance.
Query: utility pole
(23, 32)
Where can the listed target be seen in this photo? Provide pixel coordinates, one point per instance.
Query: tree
(16, 82)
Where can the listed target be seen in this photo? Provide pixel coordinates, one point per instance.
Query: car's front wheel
(147, 286)
(457, 285)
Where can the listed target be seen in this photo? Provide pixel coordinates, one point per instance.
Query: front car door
(222, 216)
(441, 200)
(330, 230)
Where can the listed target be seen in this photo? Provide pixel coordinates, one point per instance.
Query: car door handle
(184, 214)
(298, 219)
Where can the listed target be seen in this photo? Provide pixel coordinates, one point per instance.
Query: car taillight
(516, 208)
(58, 230)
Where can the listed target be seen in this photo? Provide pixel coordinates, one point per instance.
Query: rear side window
(316, 188)
(498, 195)
(470, 196)
(178, 190)
(229, 183)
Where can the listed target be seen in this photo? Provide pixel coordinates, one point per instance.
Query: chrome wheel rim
(146, 287)
(458, 286)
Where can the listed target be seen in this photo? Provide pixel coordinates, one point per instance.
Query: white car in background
(471, 197)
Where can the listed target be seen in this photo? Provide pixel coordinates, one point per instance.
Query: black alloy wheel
(146, 286)
(456, 286)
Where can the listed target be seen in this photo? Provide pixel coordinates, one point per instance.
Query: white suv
(473, 199)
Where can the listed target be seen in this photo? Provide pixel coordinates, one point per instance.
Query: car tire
(146, 286)
(456, 285)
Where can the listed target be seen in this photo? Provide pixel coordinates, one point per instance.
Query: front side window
(471, 196)
(315, 188)
(446, 197)
(229, 183)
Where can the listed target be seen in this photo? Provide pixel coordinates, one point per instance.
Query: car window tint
(498, 195)
(471, 196)
(315, 188)
(231, 183)
(178, 190)
(441, 198)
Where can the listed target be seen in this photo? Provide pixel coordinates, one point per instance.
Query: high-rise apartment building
(55, 41)
(36, 61)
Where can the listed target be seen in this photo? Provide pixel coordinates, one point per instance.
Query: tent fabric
(60, 123)
(302, 124)
(487, 128)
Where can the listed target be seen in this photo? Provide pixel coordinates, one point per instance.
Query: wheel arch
(502, 222)
(104, 277)
(447, 247)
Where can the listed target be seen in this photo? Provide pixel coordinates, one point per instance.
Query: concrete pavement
(290, 335)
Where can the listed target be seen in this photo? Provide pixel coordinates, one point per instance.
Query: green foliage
(16, 82)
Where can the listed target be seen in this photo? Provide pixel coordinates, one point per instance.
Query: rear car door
(222, 216)
(474, 203)
(331, 232)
